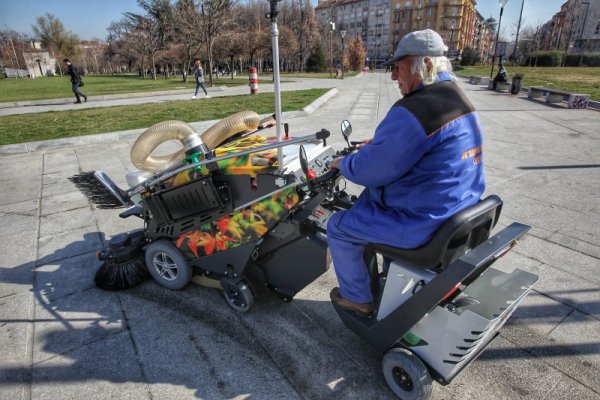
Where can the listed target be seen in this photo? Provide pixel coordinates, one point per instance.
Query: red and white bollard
(253, 76)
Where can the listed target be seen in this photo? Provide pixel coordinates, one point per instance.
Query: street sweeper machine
(248, 213)
(223, 209)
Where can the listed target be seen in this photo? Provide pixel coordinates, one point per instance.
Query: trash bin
(515, 87)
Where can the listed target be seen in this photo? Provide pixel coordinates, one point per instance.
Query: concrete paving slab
(104, 369)
(68, 244)
(238, 368)
(14, 325)
(64, 324)
(65, 277)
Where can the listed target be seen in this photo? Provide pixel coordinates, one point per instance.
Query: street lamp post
(343, 34)
(502, 4)
(452, 27)
(332, 28)
(514, 55)
(582, 47)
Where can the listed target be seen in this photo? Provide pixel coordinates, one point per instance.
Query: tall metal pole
(275, 43)
(514, 56)
(502, 4)
(343, 34)
(581, 33)
(331, 29)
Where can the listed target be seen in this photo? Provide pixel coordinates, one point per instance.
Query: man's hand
(358, 146)
(335, 163)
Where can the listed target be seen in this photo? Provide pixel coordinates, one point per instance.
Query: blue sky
(89, 19)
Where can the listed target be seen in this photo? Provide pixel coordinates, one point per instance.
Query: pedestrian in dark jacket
(75, 81)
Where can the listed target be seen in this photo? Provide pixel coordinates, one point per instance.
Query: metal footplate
(452, 337)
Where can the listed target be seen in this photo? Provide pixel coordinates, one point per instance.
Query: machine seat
(457, 235)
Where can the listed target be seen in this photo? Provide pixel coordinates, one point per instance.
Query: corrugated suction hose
(153, 137)
(157, 134)
(240, 122)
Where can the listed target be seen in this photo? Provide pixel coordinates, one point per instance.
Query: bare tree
(53, 35)
(215, 18)
(256, 28)
(154, 29)
(12, 45)
(121, 45)
(299, 16)
(230, 45)
(187, 32)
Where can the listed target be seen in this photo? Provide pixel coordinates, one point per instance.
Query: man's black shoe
(362, 309)
(77, 102)
(85, 98)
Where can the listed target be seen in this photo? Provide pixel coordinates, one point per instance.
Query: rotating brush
(123, 266)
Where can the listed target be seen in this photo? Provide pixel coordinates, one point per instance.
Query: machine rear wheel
(238, 295)
(167, 265)
(406, 375)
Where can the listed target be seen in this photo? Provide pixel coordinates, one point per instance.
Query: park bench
(574, 100)
(478, 80)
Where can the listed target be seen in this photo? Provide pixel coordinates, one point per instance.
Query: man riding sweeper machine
(246, 212)
(229, 214)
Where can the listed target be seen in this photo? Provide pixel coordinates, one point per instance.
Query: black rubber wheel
(406, 375)
(239, 296)
(167, 265)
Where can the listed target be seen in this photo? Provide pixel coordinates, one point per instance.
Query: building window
(429, 11)
(597, 31)
(404, 26)
(428, 24)
(407, 4)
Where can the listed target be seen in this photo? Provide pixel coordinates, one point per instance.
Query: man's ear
(428, 63)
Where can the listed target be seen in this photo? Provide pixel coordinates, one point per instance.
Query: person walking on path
(76, 81)
(199, 76)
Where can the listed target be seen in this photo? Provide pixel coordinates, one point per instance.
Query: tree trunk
(153, 67)
(210, 61)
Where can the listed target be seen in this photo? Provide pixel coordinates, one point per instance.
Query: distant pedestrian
(199, 76)
(76, 81)
(501, 76)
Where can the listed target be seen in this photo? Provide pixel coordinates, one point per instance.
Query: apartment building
(382, 23)
(369, 19)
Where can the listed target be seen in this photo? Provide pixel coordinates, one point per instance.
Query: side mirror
(346, 130)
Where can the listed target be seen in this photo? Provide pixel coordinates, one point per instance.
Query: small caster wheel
(406, 375)
(167, 265)
(238, 295)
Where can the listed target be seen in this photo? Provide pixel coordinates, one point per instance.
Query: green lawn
(60, 87)
(97, 85)
(54, 125)
(579, 80)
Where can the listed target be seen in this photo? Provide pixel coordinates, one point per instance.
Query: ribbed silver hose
(151, 138)
(243, 121)
(154, 136)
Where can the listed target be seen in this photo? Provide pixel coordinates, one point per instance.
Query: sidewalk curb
(312, 107)
(132, 134)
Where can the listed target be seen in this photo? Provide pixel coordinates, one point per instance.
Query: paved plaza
(63, 338)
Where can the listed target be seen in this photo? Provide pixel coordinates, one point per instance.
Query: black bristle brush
(123, 265)
(100, 190)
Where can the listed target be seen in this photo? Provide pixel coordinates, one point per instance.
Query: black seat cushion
(457, 235)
